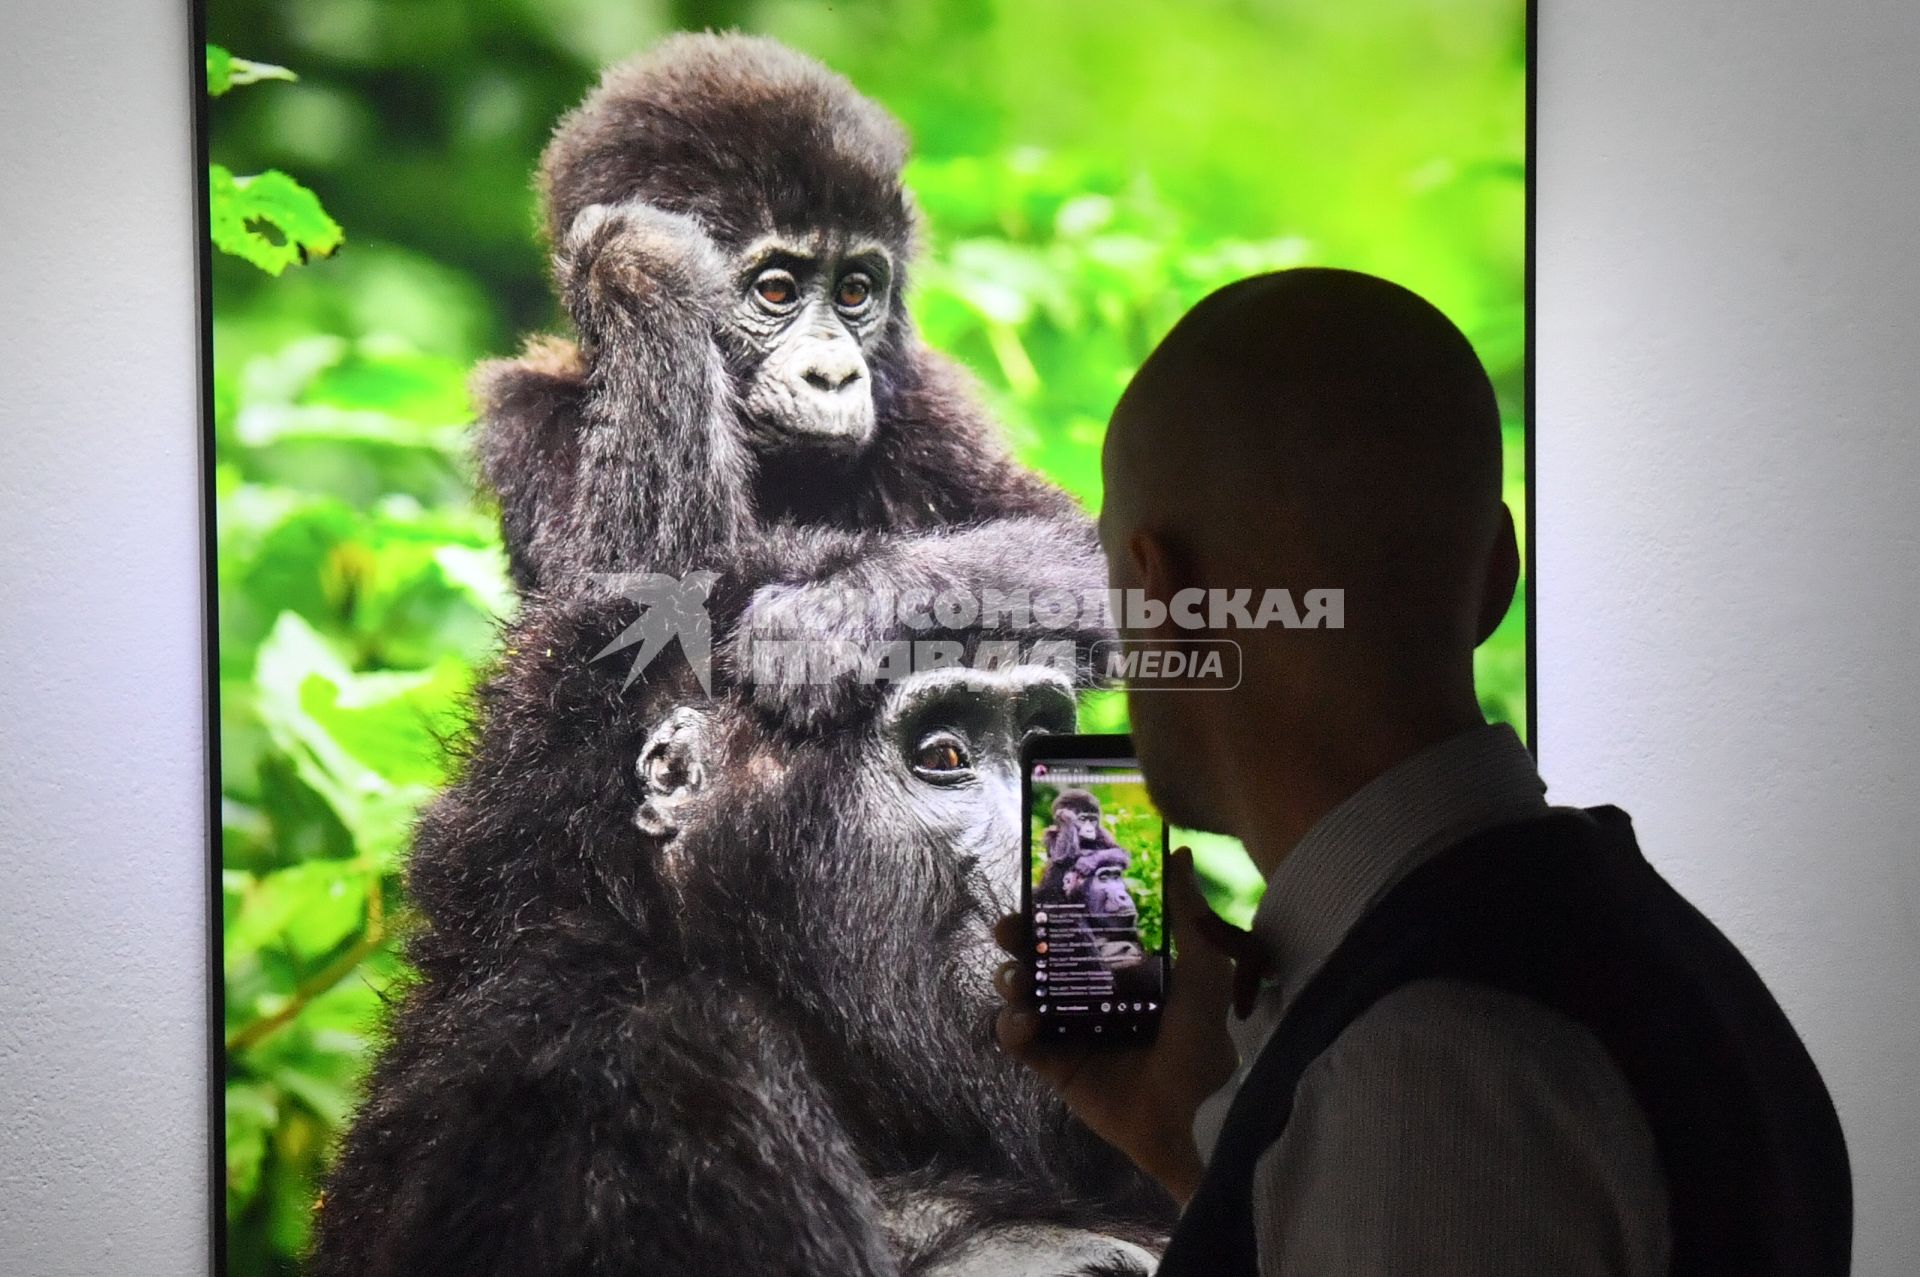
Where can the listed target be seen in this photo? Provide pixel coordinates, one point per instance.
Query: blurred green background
(1087, 172)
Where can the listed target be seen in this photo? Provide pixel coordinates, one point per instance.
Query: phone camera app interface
(1099, 928)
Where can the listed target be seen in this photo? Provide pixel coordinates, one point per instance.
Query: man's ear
(673, 770)
(1502, 575)
(1161, 573)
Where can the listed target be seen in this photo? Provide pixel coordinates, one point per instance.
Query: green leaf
(224, 71)
(251, 1116)
(219, 70)
(243, 210)
(1229, 879)
(367, 743)
(310, 907)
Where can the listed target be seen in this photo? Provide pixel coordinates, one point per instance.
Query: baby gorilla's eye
(854, 292)
(776, 288)
(941, 757)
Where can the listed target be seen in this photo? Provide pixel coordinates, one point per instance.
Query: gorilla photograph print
(549, 938)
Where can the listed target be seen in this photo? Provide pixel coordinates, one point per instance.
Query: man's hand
(1141, 1100)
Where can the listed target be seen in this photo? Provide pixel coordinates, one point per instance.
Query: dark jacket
(1563, 909)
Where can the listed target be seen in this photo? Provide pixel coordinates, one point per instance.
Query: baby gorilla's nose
(832, 375)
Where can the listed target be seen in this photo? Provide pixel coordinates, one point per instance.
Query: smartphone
(1095, 859)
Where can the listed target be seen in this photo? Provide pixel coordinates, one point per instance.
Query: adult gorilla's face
(808, 315)
(1108, 898)
(949, 754)
(885, 847)
(851, 875)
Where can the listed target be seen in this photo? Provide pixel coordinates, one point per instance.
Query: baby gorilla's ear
(673, 769)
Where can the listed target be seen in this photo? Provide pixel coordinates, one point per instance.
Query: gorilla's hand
(653, 478)
(633, 262)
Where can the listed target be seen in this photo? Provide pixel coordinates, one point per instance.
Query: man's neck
(1284, 792)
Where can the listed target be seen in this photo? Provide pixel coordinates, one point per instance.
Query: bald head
(1319, 429)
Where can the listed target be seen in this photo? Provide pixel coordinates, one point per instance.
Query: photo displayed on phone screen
(1096, 852)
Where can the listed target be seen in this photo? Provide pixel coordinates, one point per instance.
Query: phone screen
(1095, 854)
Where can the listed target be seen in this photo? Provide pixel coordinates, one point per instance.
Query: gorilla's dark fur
(685, 418)
(693, 992)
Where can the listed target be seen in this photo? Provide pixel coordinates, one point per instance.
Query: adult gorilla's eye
(854, 292)
(941, 757)
(776, 288)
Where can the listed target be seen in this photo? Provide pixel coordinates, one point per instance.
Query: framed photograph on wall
(547, 344)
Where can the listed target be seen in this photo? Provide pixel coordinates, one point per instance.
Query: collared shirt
(1451, 1129)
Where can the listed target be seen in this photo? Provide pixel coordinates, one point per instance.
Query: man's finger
(1201, 989)
(1193, 919)
(1017, 1029)
(1015, 982)
(1010, 933)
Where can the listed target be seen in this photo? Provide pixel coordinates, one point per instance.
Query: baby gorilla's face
(1089, 827)
(808, 314)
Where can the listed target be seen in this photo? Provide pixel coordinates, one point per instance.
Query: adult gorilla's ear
(673, 771)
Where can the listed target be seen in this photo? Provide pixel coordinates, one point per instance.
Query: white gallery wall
(1728, 455)
(1729, 566)
(103, 863)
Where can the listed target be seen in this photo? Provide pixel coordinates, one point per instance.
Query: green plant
(267, 219)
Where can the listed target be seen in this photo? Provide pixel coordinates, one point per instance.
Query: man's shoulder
(1433, 1035)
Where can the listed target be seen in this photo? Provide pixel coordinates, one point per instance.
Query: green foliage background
(1129, 815)
(1087, 173)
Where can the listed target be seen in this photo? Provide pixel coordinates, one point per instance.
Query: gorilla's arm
(1044, 579)
(623, 456)
(511, 1130)
(532, 412)
(1050, 569)
(1063, 847)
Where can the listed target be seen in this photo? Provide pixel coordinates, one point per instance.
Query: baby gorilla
(1076, 827)
(702, 987)
(731, 239)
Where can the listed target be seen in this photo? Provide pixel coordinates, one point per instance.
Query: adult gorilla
(731, 239)
(703, 988)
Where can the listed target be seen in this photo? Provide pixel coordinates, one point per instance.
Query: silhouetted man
(1476, 1034)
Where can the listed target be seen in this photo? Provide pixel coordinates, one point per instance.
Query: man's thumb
(1198, 958)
